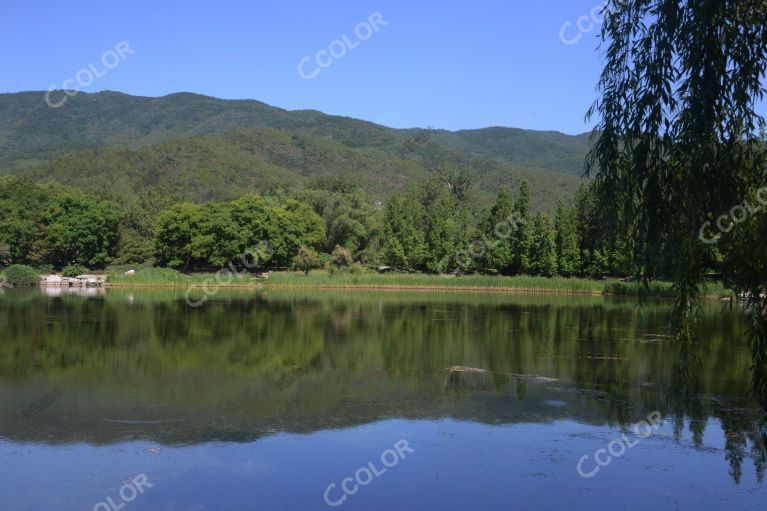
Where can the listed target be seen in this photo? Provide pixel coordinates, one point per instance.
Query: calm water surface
(291, 400)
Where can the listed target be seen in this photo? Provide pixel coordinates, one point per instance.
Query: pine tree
(443, 235)
(568, 249)
(404, 236)
(522, 240)
(543, 252)
(498, 230)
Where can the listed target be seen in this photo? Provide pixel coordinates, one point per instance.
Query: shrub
(19, 275)
(306, 259)
(356, 268)
(73, 270)
(342, 257)
(636, 288)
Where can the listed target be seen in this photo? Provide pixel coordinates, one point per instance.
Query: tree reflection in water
(309, 361)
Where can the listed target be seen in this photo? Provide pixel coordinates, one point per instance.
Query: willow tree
(677, 143)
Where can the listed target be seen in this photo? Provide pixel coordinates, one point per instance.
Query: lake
(131, 399)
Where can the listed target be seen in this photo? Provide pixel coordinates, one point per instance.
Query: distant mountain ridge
(257, 146)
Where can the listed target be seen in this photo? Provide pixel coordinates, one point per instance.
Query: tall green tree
(291, 226)
(498, 229)
(350, 218)
(176, 227)
(217, 240)
(444, 236)
(604, 248)
(543, 250)
(404, 234)
(568, 246)
(22, 204)
(80, 230)
(459, 181)
(522, 238)
(138, 224)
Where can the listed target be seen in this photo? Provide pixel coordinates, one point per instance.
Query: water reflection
(86, 292)
(143, 365)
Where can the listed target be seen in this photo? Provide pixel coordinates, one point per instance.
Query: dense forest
(197, 183)
(437, 225)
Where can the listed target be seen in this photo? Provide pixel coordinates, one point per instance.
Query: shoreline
(363, 287)
(394, 288)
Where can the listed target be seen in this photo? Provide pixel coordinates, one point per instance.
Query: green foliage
(341, 257)
(350, 219)
(21, 205)
(596, 264)
(340, 167)
(522, 238)
(109, 119)
(444, 235)
(49, 224)
(18, 275)
(73, 270)
(296, 224)
(680, 138)
(568, 245)
(543, 251)
(427, 227)
(80, 230)
(458, 180)
(404, 236)
(498, 229)
(132, 247)
(605, 248)
(246, 147)
(306, 259)
(175, 229)
(441, 235)
(44, 268)
(218, 234)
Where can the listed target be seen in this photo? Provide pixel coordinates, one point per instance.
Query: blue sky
(447, 64)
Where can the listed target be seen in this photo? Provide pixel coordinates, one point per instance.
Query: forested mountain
(200, 148)
(548, 150)
(190, 182)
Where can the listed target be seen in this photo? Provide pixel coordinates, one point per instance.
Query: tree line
(435, 226)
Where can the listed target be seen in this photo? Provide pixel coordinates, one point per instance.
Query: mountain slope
(549, 150)
(201, 148)
(31, 131)
(259, 160)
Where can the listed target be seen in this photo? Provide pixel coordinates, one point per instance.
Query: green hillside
(260, 160)
(31, 130)
(548, 150)
(201, 148)
(202, 169)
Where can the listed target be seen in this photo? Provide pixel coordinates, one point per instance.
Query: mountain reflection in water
(141, 365)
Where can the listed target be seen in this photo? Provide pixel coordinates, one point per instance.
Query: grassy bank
(156, 277)
(436, 282)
